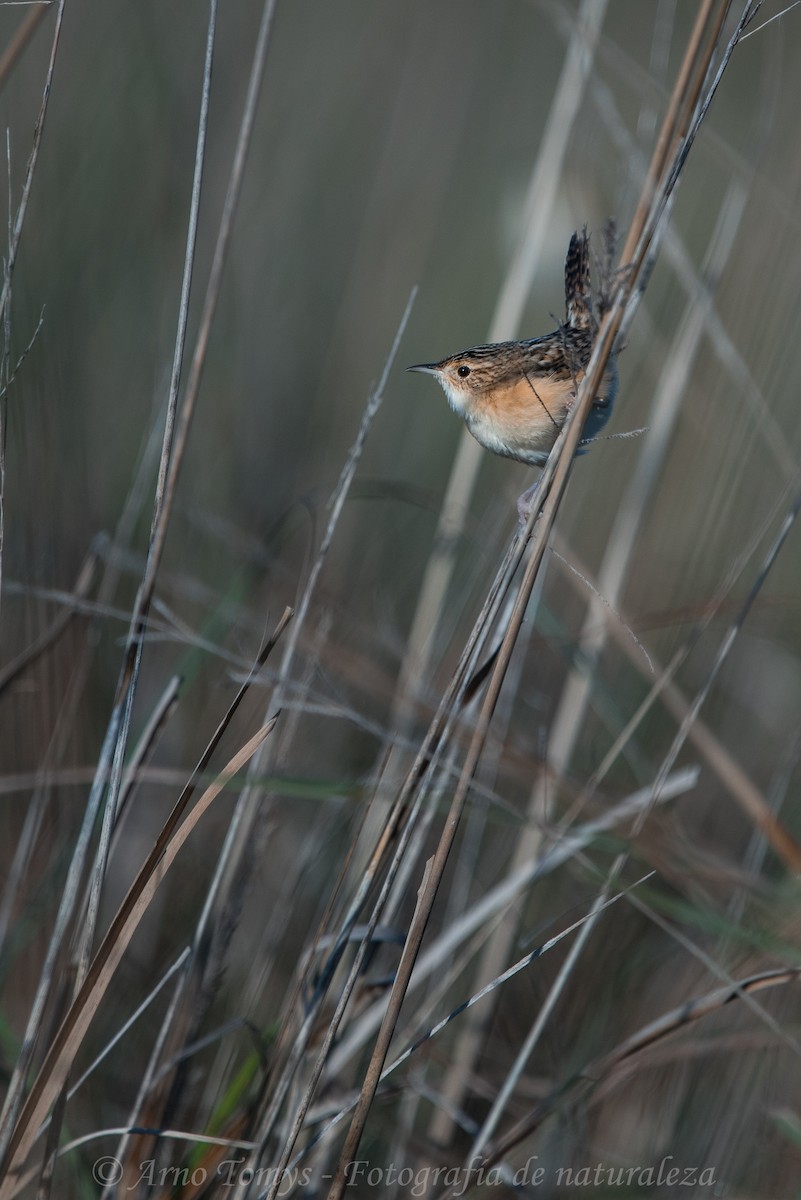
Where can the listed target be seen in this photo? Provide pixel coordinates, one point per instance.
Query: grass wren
(515, 396)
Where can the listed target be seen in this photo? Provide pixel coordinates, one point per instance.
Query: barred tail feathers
(578, 293)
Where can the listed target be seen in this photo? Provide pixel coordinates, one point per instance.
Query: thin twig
(265, 1125)
(123, 706)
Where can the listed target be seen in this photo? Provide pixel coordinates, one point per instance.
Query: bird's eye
(463, 372)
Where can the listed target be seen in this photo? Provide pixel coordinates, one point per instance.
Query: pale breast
(522, 419)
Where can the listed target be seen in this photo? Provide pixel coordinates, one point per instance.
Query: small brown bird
(515, 396)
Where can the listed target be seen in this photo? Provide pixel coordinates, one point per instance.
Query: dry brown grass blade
(335, 225)
(682, 98)
(742, 789)
(177, 425)
(685, 1014)
(539, 209)
(395, 834)
(499, 898)
(677, 134)
(16, 47)
(68, 1039)
(22, 661)
(600, 1068)
(250, 809)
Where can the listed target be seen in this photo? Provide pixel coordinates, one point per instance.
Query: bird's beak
(425, 368)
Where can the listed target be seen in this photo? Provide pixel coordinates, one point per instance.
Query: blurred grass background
(393, 147)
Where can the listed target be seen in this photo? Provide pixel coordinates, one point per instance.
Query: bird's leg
(525, 502)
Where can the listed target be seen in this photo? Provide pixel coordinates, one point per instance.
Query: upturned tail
(607, 276)
(578, 293)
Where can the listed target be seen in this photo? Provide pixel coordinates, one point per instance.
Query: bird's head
(467, 376)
